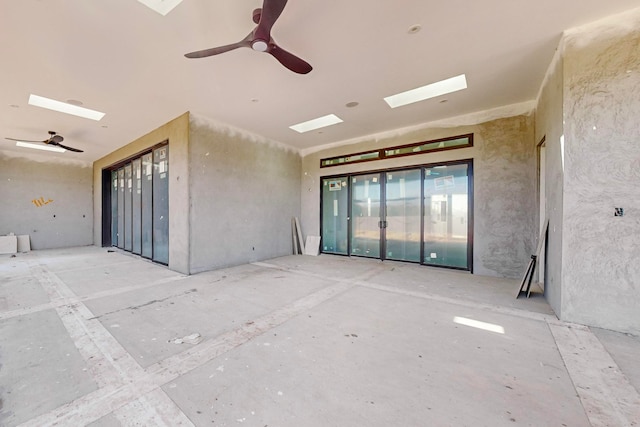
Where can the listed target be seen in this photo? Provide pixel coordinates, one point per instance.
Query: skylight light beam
(432, 90)
(479, 325)
(63, 107)
(320, 122)
(40, 147)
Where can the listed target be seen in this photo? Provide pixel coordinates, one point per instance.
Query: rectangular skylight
(40, 147)
(318, 123)
(432, 90)
(63, 107)
(161, 6)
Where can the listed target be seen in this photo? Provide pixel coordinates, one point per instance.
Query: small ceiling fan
(54, 139)
(260, 39)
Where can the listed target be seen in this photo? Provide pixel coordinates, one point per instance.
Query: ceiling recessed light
(255, 100)
(352, 104)
(14, 106)
(40, 147)
(414, 29)
(63, 107)
(161, 6)
(74, 102)
(432, 90)
(444, 101)
(318, 123)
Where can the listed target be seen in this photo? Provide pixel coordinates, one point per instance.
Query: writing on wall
(41, 202)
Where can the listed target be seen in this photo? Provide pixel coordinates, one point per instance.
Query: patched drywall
(549, 126)
(601, 273)
(504, 186)
(244, 192)
(47, 198)
(176, 132)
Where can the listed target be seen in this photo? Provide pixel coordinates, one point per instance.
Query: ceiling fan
(54, 139)
(260, 39)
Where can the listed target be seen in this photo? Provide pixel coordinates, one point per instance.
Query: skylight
(161, 6)
(63, 107)
(318, 123)
(40, 147)
(432, 90)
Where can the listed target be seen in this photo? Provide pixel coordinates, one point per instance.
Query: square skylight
(318, 123)
(432, 90)
(40, 147)
(63, 107)
(161, 6)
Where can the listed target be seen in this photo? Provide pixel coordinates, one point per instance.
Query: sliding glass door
(446, 215)
(136, 205)
(114, 207)
(402, 221)
(147, 199)
(335, 213)
(160, 205)
(419, 214)
(128, 209)
(120, 217)
(366, 203)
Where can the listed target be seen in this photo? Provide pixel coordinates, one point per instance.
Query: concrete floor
(88, 337)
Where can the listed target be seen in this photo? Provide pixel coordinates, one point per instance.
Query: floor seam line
(61, 302)
(169, 369)
(359, 281)
(92, 357)
(524, 314)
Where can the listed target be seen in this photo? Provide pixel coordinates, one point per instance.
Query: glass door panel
(120, 243)
(335, 199)
(402, 231)
(146, 187)
(114, 208)
(127, 207)
(136, 195)
(161, 204)
(365, 215)
(446, 216)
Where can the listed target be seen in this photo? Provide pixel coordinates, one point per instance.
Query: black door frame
(383, 174)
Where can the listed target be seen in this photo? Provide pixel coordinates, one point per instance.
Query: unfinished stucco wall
(46, 197)
(601, 256)
(244, 192)
(504, 185)
(177, 133)
(549, 125)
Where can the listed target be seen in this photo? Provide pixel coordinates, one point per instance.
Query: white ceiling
(122, 58)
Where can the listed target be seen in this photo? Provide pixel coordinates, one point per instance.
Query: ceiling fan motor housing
(259, 45)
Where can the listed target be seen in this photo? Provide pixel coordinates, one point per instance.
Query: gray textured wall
(601, 273)
(505, 197)
(505, 203)
(66, 219)
(244, 192)
(549, 125)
